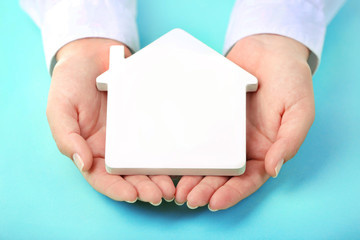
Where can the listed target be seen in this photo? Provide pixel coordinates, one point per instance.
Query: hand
(279, 115)
(76, 113)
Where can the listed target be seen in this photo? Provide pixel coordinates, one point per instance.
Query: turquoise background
(43, 196)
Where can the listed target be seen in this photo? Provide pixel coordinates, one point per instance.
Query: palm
(260, 132)
(92, 122)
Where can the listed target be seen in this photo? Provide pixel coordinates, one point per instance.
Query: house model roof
(176, 107)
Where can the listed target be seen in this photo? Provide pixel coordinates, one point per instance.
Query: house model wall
(176, 107)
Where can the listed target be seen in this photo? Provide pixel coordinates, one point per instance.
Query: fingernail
(78, 161)
(179, 204)
(278, 167)
(156, 204)
(169, 200)
(212, 210)
(191, 207)
(132, 201)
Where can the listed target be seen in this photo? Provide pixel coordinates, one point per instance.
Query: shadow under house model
(176, 107)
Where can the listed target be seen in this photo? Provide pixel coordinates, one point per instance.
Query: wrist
(255, 51)
(96, 49)
(276, 44)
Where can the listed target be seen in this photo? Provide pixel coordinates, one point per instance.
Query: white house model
(176, 107)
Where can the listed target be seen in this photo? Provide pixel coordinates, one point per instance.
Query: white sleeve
(63, 21)
(302, 20)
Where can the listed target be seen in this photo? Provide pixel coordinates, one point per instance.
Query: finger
(166, 186)
(201, 193)
(185, 185)
(147, 190)
(62, 117)
(113, 186)
(294, 127)
(239, 187)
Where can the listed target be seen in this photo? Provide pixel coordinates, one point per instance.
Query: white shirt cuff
(297, 19)
(68, 20)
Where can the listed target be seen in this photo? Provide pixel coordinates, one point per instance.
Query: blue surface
(43, 196)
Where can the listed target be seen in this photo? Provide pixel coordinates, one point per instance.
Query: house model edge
(117, 56)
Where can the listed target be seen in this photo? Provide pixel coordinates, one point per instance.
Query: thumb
(295, 123)
(63, 122)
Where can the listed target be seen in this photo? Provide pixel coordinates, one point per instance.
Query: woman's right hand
(76, 113)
